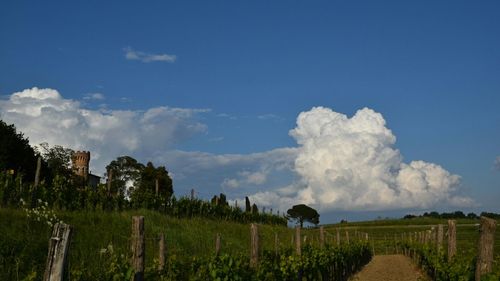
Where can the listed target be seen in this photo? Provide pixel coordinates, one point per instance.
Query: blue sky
(242, 72)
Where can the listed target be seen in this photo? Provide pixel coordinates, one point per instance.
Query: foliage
(331, 263)
(63, 195)
(58, 158)
(452, 215)
(123, 171)
(41, 213)
(16, 155)
(302, 213)
(435, 263)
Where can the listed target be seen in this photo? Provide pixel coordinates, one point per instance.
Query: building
(81, 160)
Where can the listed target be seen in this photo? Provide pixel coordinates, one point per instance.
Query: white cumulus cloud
(352, 164)
(131, 54)
(44, 115)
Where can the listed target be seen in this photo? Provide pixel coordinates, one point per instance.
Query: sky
(361, 109)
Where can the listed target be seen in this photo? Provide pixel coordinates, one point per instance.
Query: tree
(125, 171)
(301, 213)
(58, 159)
(150, 176)
(15, 152)
(153, 189)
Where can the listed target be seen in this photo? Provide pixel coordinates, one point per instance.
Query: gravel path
(389, 268)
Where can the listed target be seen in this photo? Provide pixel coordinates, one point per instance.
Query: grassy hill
(24, 241)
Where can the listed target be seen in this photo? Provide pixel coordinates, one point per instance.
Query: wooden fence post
(254, 245)
(485, 247)
(58, 251)
(396, 247)
(276, 244)
(338, 237)
(161, 252)
(440, 238)
(157, 187)
(347, 236)
(321, 237)
(217, 244)
(110, 179)
(452, 239)
(37, 173)
(298, 248)
(35, 185)
(138, 247)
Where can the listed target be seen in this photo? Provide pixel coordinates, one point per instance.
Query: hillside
(23, 242)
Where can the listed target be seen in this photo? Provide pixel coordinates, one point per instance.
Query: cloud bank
(44, 115)
(131, 54)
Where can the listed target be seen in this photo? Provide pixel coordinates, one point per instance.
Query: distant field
(382, 233)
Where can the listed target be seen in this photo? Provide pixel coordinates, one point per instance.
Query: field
(384, 233)
(23, 240)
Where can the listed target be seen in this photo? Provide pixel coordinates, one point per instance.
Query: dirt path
(389, 268)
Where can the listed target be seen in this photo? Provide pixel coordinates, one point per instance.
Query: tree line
(453, 215)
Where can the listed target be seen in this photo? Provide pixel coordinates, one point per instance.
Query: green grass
(24, 242)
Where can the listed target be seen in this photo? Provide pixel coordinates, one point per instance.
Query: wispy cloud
(497, 163)
(225, 115)
(93, 96)
(270, 116)
(216, 139)
(131, 54)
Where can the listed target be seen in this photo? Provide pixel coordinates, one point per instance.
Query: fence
(158, 245)
(433, 237)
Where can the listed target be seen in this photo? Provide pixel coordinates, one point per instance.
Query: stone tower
(81, 161)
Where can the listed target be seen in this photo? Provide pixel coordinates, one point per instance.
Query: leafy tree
(151, 175)
(15, 152)
(301, 213)
(125, 171)
(153, 189)
(58, 159)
